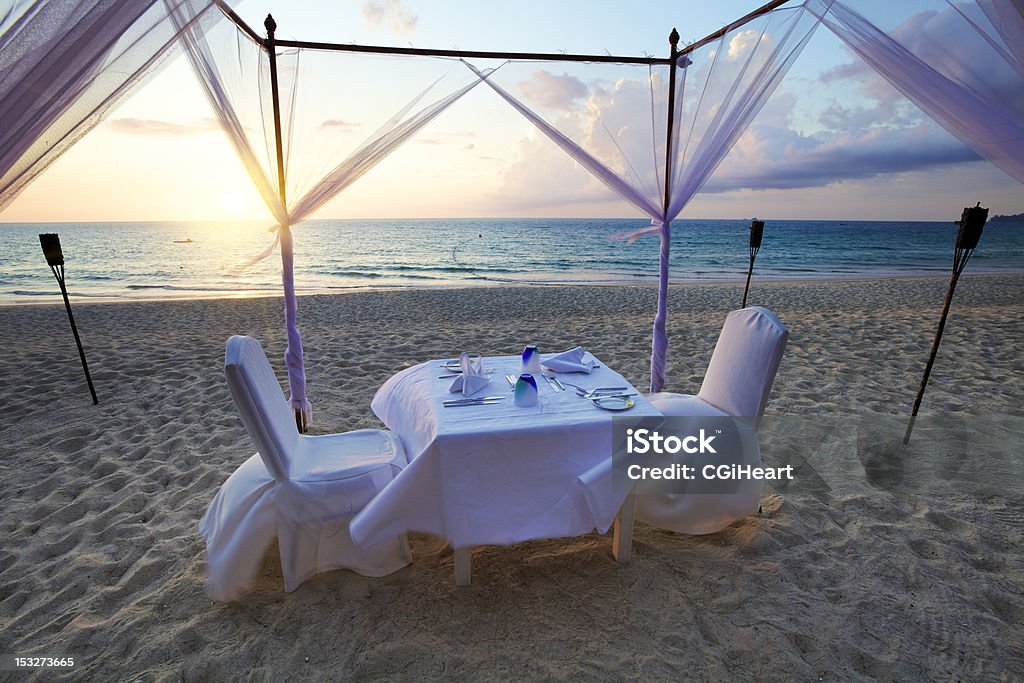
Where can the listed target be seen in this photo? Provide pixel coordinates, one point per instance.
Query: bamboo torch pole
(971, 224)
(756, 232)
(55, 259)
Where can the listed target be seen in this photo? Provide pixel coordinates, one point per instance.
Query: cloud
(743, 41)
(451, 139)
(551, 91)
(392, 13)
(542, 175)
(849, 124)
(339, 123)
(611, 121)
(782, 159)
(134, 126)
(879, 134)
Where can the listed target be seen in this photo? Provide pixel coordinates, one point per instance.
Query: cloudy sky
(834, 141)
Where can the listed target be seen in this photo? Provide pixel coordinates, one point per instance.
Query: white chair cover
(737, 384)
(303, 488)
(744, 363)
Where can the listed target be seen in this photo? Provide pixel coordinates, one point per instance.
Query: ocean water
(111, 261)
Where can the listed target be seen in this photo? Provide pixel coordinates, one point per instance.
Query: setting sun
(232, 205)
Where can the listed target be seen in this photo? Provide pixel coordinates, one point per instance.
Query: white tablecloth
(496, 474)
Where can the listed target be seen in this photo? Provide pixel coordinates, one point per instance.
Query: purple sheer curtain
(720, 88)
(960, 63)
(232, 71)
(65, 63)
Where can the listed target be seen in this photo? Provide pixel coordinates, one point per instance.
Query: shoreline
(485, 283)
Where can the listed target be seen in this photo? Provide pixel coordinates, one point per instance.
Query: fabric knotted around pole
(293, 358)
(659, 346)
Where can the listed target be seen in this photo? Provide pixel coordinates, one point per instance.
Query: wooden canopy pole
(271, 45)
(763, 9)
(673, 41)
(271, 27)
(659, 341)
(485, 54)
(469, 54)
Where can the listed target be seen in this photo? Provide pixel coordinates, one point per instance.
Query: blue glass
(531, 360)
(526, 393)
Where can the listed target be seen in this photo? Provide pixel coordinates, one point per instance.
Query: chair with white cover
(302, 488)
(736, 385)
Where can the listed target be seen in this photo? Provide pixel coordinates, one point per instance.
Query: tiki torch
(756, 232)
(55, 259)
(971, 224)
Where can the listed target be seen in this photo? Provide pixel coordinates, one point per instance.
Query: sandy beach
(878, 562)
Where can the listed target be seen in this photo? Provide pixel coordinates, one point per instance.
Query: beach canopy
(650, 129)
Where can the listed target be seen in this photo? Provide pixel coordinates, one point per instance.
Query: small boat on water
(184, 241)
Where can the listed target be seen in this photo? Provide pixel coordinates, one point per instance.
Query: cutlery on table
(601, 391)
(552, 383)
(587, 393)
(472, 401)
(578, 388)
(598, 397)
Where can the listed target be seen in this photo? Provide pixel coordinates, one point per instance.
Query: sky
(833, 142)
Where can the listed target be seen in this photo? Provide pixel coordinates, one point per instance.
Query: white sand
(878, 563)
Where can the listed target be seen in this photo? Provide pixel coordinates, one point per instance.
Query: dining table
(496, 472)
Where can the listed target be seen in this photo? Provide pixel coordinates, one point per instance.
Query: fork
(583, 391)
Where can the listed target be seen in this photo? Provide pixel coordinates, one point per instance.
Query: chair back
(744, 363)
(261, 403)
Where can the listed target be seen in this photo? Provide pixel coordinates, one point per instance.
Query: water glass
(525, 394)
(531, 360)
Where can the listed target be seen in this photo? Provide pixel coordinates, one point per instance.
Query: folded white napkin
(472, 378)
(570, 361)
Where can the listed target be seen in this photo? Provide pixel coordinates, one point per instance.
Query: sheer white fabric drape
(720, 87)
(65, 63)
(962, 64)
(227, 67)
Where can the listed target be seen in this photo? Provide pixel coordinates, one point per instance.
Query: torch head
(971, 224)
(51, 249)
(756, 231)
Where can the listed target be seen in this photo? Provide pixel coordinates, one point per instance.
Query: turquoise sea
(108, 261)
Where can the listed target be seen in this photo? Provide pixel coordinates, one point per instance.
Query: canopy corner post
(659, 343)
(673, 41)
(287, 259)
(270, 43)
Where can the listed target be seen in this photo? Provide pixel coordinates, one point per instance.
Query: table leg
(463, 566)
(622, 536)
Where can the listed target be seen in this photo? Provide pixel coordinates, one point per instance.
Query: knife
(457, 401)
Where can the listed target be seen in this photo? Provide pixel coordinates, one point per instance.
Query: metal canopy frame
(271, 43)
(485, 54)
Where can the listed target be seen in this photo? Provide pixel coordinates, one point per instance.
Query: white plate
(614, 403)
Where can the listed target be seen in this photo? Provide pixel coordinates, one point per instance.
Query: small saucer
(614, 403)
